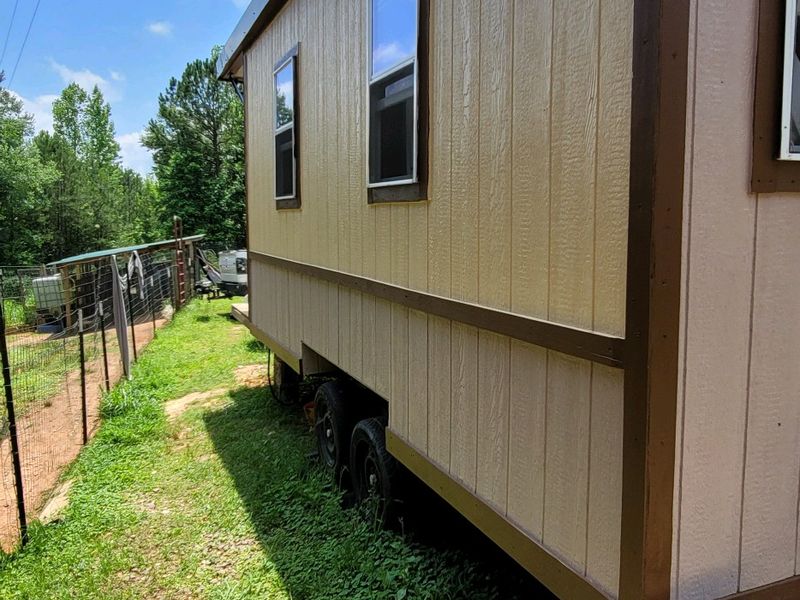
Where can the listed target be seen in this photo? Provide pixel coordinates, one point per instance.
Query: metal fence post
(82, 351)
(103, 342)
(153, 303)
(12, 429)
(133, 320)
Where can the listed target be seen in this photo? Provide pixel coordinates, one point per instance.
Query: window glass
(284, 95)
(392, 127)
(284, 164)
(394, 33)
(794, 135)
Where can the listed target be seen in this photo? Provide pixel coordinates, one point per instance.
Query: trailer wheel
(374, 471)
(333, 426)
(284, 384)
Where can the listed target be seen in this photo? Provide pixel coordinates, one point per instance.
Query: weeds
(221, 502)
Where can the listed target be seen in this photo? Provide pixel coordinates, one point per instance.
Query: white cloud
(241, 3)
(117, 76)
(87, 80)
(162, 28)
(386, 55)
(134, 155)
(41, 108)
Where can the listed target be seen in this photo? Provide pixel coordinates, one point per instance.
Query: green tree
(23, 177)
(93, 202)
(67, 116)
(99, 146)
(198, 150)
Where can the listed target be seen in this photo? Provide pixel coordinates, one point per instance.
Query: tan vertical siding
(738, 460)
(465, 174)
(573, 155)
(526, 437)
(567, 451)
(439, 385)
(494, 221)
(772, 462)
(441, 123)
(530, 184)
(493, 399)
(464, 404)
(418, 379)
(527, 212)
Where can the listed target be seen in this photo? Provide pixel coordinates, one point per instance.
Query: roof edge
(89, 256)
(257, 16)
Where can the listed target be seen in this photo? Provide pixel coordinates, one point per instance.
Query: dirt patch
(251, 376)
(50, 431)
(174, 408)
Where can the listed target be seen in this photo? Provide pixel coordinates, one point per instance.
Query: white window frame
(383, 75)
(279, 130)
(788, 82)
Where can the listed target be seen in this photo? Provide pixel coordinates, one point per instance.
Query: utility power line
(8, 33)
(25, 41)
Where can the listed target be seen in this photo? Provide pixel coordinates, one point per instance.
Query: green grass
(16, 313)
(222, 502)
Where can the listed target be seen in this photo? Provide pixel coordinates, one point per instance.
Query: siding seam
(688, 233)
(588, 472)
(598, 103)
(549, 241)
(747, 395)
(478, 230)
(510, 262)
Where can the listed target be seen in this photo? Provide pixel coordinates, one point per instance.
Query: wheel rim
(326, 437)
(372, 476)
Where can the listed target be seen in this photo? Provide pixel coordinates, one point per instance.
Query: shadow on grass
(253, 345)
(322, 551)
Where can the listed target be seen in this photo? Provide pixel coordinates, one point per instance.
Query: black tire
(333, 425)
(375, 472)
(285, 384)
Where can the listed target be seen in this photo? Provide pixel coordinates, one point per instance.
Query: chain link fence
(66, 337)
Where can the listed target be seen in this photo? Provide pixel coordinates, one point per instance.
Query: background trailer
(559, 240)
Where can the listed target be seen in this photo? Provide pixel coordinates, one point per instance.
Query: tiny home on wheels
(557, 244)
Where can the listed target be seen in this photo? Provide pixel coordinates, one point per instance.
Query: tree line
(66, 192)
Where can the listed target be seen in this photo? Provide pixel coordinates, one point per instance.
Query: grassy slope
(222, 503)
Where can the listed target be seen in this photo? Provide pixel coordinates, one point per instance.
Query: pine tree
(198, 150)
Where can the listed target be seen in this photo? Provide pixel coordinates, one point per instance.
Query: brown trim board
(769, 174)
(551, 572)
(596, 347)
(281, 351)
(785, 589)
(658, 120)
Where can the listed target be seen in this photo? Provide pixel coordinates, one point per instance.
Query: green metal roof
(89, 256)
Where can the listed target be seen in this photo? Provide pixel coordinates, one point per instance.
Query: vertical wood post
(82, 351)
(105, 347)
(133, 320)
(153, 303)
(12, 429)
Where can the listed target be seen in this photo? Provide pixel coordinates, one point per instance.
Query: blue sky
(130, 48)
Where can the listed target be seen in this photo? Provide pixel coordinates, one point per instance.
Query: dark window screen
(392, 127)
(284, 164)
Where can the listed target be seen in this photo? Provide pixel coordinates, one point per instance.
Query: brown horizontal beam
(596, 347)
(785, 589)
(551, 572)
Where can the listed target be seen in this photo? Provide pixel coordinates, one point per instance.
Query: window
(286, 185)
(394, 126)
(775, 152)
(790, 109)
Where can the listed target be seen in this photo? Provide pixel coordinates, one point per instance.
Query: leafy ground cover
(214, 495)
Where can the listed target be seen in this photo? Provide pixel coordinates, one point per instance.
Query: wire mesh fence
(66, 336)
